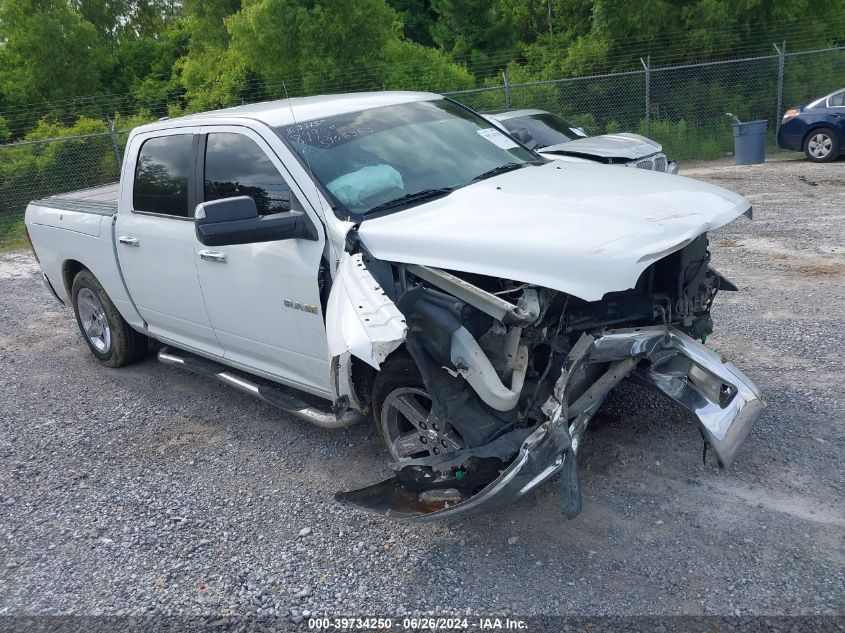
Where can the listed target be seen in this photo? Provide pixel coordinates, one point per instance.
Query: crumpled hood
(621, 145)
(575, 227)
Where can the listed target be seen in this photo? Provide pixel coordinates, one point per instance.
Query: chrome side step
(275, 396)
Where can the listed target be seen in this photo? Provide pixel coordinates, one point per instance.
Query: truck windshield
(546, 128)
(396, 156)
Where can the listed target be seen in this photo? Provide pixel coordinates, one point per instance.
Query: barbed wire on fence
(682, 106)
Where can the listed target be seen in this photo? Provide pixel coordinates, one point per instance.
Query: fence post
(507, 89)
(781, 55)
(115, 144)
(647, 66)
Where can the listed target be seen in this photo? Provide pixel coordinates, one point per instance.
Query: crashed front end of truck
(488, 385)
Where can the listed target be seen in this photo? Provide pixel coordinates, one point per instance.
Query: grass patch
(12, 233)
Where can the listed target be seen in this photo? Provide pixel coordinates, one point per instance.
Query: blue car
(817, 128)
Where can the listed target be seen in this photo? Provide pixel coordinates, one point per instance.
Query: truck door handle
(129, 241)
(213, 256)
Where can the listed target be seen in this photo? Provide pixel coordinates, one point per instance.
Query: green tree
(329, 44)
(107, 16)
(126, 19)
(48, 52)
(418, 18)
(470, 29)
(585, 36)
(212, 74)
(411, 66)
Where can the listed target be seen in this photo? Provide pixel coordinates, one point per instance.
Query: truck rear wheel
(108, 335)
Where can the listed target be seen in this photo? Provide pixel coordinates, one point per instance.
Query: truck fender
(361, 320)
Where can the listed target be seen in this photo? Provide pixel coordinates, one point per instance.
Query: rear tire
(821, 145)
(109, 337)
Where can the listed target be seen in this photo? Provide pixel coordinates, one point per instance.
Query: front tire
(108, 335)
(402, 413)
(821, 145)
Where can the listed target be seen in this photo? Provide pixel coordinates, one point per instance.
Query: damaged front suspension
(723, 399)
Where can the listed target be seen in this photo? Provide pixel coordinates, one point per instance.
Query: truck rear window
(161, 175)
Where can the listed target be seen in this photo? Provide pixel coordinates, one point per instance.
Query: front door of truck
(155, 238)
(263, 299)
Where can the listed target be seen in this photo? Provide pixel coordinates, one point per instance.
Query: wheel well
(814, 129)
(70, 269)
(364, 375)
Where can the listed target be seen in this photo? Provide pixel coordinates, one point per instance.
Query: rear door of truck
(155, 237)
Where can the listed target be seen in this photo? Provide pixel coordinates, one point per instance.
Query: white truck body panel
(360, 319)
(162, 275)
(160, 267)
(86, 235)
(245, 296)
(557, 226)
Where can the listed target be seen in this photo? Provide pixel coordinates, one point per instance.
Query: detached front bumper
(725, 402)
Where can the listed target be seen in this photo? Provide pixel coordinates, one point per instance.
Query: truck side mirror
(235, 220)
(226, 210)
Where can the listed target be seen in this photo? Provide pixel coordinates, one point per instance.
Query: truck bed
(77, 227)
(98, 200)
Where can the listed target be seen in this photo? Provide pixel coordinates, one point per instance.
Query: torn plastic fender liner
(360, 317)
(723, 399)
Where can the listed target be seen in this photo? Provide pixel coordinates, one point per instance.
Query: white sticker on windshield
(497, 138)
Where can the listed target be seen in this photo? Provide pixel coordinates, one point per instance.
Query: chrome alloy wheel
(820, 145)
(95, 324)
(409, 428)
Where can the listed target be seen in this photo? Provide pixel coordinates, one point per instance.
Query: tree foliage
(172, 56)
(48, 52)
(66, 66)
(287, 39)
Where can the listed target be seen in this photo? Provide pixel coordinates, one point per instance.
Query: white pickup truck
(393, 255)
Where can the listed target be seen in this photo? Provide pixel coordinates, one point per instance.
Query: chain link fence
(682, 107)
(38, 168)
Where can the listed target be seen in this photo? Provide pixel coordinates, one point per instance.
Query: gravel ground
(148, 491)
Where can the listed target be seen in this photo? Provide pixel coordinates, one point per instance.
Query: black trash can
(750, 142)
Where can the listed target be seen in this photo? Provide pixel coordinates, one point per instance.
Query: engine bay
(486, 376)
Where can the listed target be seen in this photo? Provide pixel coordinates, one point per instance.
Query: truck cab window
(161, 175)
(236, 166)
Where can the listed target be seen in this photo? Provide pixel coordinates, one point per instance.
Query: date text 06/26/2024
(416, 624)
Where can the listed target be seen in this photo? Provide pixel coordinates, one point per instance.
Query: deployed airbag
(355, 187)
